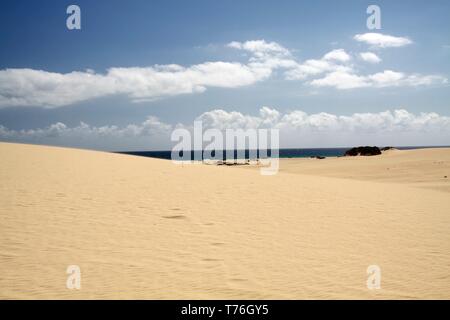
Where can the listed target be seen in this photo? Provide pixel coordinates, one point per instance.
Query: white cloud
(331, 61)
(151, 126)
(341, 80)
(260, 47)
(159, 81)
(297, 129)
(370, 57)
(338, 55)
(41, 88)
(28, 87)
(300, 129)
(421, 80)
(266, 56)
(382, 40)
(221, 119)
(387, 78)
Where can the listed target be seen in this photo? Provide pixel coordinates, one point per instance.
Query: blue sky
(142, 34)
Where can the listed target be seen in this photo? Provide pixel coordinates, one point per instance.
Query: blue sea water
(283, 153)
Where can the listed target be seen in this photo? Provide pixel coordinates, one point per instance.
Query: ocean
(283, 153)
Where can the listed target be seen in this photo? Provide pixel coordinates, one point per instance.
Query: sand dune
(146, 228)
(425, 168)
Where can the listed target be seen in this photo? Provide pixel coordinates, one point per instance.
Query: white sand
(146, 228)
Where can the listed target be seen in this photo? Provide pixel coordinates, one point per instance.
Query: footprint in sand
(176, 216)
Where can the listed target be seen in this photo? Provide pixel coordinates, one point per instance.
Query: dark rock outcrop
(363, 151)
(387, 148)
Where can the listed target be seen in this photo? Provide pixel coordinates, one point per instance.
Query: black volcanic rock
(387, 148)
(363, 151)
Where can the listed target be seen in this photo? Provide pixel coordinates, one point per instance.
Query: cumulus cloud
(341, 80)
(151, 126)
(297, 129)
(300, 129)
(338, 55)
(152, 133)
(370, 57)
(387, 78)
(380, 40)
(266, 57)
(221, 119)
(29, 87)
(25, 87)
(260, 47)
(399, 120)
(334, 60)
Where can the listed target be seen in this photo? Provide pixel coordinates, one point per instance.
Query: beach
(142, 228)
